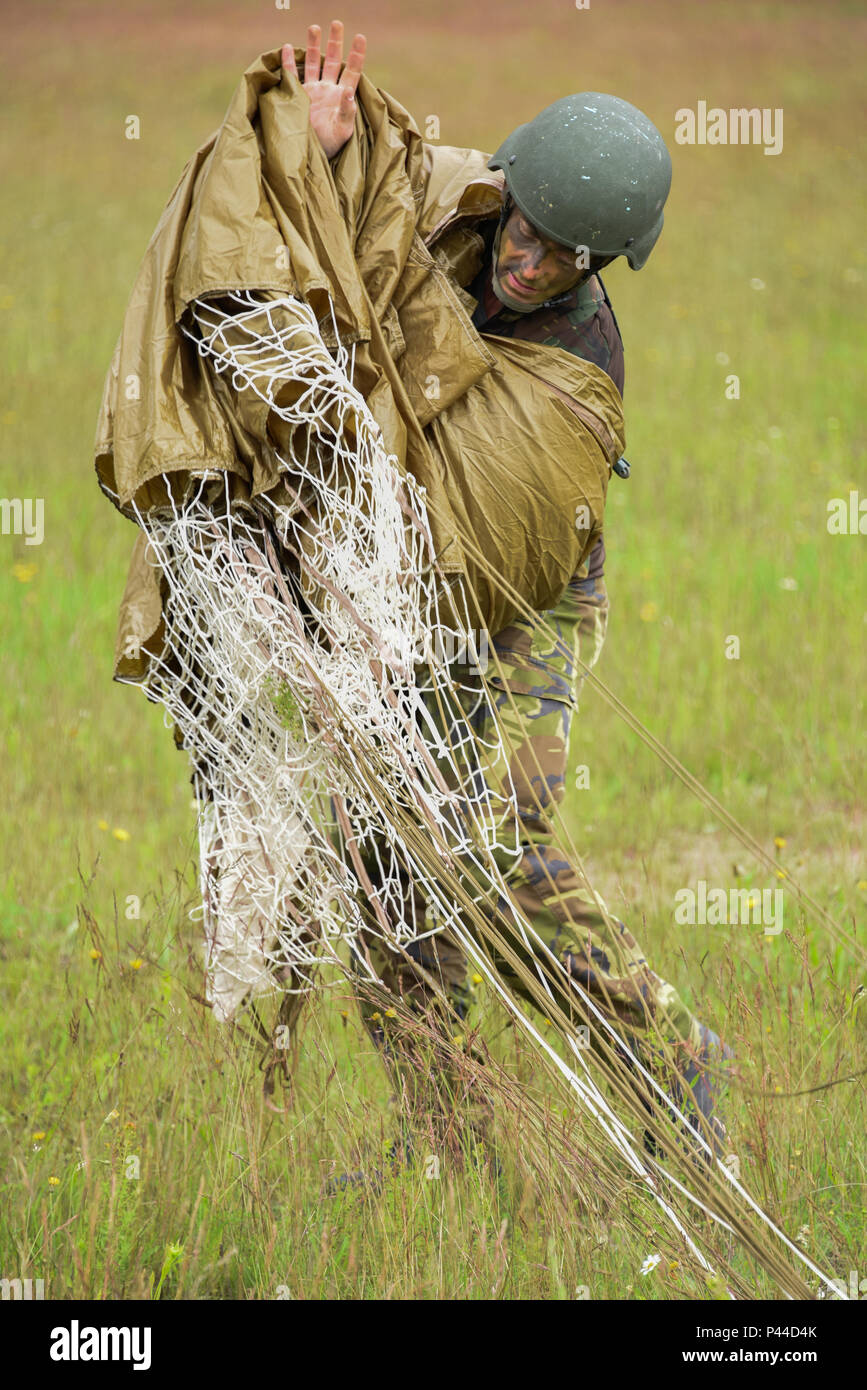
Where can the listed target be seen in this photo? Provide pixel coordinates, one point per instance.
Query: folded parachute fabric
(380, 243)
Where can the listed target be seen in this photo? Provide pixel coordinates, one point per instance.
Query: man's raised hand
(332, 103)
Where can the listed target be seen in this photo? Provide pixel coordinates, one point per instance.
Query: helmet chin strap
(518, 306)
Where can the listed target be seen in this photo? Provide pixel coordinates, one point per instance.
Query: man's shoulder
(583, 325)
(589, 300)
(457, 183)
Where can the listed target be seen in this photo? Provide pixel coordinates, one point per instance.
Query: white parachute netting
(304, 698)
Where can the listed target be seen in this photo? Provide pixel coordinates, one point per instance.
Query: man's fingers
(311, 57)
(333, 53)
(354, 63)
(287, 59)
(347, 103)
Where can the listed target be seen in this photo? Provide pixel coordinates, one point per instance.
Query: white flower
(650, 1264)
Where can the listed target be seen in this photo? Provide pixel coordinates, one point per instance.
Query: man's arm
(332, 102)
(586, 597)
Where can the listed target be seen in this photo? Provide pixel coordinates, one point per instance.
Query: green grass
(727, 498)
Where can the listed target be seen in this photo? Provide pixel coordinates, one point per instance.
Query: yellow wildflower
(53, 1182)
(136, 964)
(102, 824)
(95, 954)
(23, 572)
(120, 834)
(779, 842)
(38, 1134)
(647, 612)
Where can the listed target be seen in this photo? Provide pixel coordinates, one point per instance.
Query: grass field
(138, 1157)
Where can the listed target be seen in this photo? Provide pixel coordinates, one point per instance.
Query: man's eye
(529, 233)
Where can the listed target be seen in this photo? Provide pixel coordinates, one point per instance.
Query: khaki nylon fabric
(386, 232)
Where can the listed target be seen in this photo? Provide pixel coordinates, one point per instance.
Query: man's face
(529, 267)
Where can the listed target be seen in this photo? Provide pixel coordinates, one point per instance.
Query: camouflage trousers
(535, 682)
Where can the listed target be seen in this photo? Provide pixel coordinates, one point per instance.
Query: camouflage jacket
(581, 322)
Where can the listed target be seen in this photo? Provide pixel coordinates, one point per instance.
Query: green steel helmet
(592, 171)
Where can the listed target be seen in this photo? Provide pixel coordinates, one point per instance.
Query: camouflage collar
(580, 304)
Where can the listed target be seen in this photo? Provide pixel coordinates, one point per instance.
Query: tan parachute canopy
(379, 243)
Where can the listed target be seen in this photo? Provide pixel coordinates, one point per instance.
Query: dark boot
(696, 1093)
(705, 1086)
(398, 1157)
